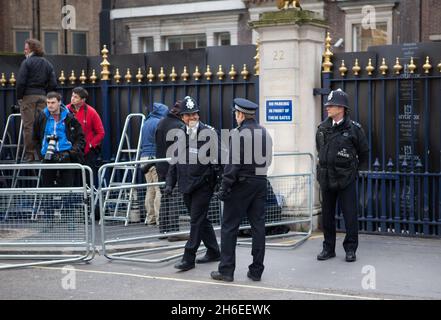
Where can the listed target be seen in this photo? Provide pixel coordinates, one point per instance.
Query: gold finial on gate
(185, 74)
(72, 77)
(105, 64)
(343, 69)
(93, 77)
(83, 77)
(128, 76)
(3, 80)
(397, 67)
(356, 68)
(411, 66)
(384, 67)
(196, 74)
(12, 80)
(150, 75)
(161, 74)
(370, 68)
(139, 75)
(173, 75)
(232, 72)
(439, 66)
(244, 73)
(117, 76)
(257, 58)
(327, 64)
(427, 66)
(208, 73)
(62, 78)
(220, 74)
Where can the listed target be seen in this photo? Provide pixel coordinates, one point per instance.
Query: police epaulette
(209, 127)
(356, 123)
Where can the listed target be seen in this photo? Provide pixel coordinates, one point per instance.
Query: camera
(52, 141)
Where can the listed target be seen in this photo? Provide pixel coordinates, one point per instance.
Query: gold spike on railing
(220, 74)
(327, 64)
(356, 68)
(412, 67)
(244, 73)
(427, 66)
(83, 77)
(343, 69)
(232, 72)
(185, 74)
(3, 80)
(12, 80)
(117, 76)
(139, 75)
(105, 73)
(196, 74)
(72, 77)
(439, 66)
(208, 73)
(397, 67)
(62, 78)
(128, 76)
(93, 77)
(370, 68)
(383, 68)
(150, 75)
(173, 75)
(257, 58)
(161, 74)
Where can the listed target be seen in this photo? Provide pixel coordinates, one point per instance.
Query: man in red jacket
(90, 122)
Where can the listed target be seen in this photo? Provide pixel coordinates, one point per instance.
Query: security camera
(338, 43)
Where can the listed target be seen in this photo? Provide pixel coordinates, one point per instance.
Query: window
(186, 42)
(79, 43)
(146, 44)
(223, 39)
(366, 37)
(51, 42)
(20, 37)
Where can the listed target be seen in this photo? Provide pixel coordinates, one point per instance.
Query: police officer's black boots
(325, 255)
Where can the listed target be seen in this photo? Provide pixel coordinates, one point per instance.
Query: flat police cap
(337, 98)
(245, 106)
(188, 105)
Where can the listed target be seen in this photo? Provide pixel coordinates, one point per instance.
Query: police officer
(196, 181)
(342, 148)
(244, 191)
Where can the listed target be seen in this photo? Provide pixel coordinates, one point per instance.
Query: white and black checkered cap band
(238, 108)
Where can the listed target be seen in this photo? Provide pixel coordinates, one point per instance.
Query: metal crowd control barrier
(289, 201)
(51, 225)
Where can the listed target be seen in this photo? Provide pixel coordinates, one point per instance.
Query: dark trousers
(201, 228)
(90, 160)
(247, 199)
(168, 216)
(348, 203)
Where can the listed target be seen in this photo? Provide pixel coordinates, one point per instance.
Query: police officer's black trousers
(348, 203)
(168, 218)
(201, 228)
(247, 199)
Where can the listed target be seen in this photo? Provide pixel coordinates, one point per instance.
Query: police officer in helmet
(342, 148)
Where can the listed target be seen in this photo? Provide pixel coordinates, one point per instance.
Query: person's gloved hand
(64, 157)
(168, 190)
(223, 193)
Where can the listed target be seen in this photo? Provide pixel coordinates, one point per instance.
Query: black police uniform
(244, 191)
(342, 149)
(196, 181)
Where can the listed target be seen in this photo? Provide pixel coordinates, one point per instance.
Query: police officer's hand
(168, 190)
(223, 193)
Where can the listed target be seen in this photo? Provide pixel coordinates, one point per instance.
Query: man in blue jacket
(148, 151)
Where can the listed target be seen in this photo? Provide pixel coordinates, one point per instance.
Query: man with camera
(59, 138)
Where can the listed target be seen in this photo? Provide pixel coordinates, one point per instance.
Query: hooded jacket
(148, 146)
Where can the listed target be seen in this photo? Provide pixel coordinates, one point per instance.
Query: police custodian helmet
(188, 105)
(245, 106)
(337, 98)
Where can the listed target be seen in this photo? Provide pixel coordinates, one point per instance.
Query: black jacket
(74, 134)
(341, 150)
(193, 175)
(243, 162)
(170, 122)
(36, 76)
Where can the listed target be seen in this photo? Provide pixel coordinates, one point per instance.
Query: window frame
(15, 38)
(58, 41)
(72, 42)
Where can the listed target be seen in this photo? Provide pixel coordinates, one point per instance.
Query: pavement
(387, 267)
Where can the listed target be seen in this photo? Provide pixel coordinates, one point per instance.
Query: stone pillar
(291, 48)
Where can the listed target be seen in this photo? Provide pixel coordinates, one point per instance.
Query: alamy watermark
(369, 20)
(69, 21)
(69, 281)
(369, 280)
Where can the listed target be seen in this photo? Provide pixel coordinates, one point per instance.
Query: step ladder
(117, 204)
(12, 152)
